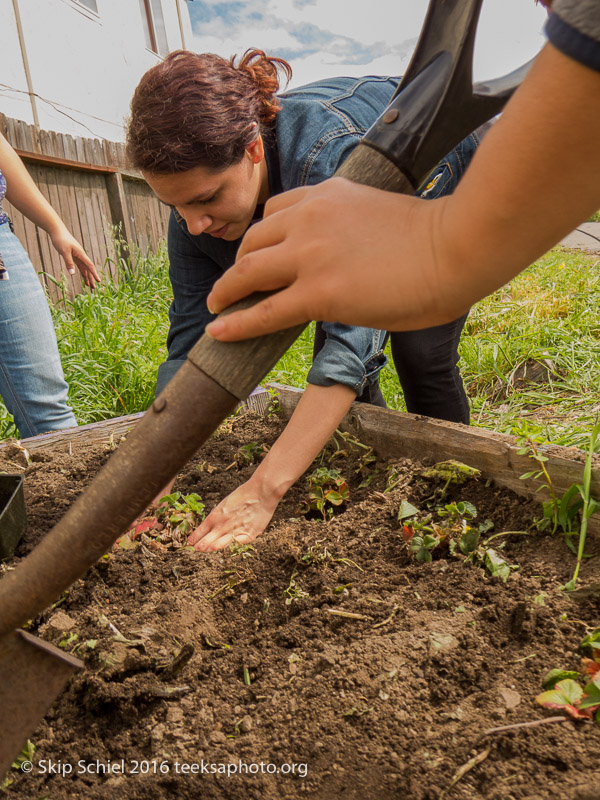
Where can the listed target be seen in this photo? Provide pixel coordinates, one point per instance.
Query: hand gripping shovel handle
(415, 131)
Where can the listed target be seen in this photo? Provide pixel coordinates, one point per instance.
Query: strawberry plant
(328, 488)
(564, 693)
(248, 454)
(176, 516)
(456, 532)
(182, 512)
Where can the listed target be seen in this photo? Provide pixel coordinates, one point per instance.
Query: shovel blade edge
(32, 675)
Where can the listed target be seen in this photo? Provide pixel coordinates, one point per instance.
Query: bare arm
(247, 511)
(534, 178)
(27, 198)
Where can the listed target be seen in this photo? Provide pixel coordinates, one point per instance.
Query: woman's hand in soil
(241, 517)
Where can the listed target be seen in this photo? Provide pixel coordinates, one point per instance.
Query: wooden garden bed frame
(395, 434)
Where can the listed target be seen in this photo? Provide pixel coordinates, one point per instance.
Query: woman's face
(221, 203)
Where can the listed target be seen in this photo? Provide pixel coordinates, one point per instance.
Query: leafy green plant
(422, 545)
(564, 693)
(176, 516)
(182, 512)
(248, 454)
(457, 533)
(293, 592)
(571, 512)
(328, 488)
(588, 507)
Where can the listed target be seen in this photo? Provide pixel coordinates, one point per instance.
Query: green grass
(112, 341)
(595, 217)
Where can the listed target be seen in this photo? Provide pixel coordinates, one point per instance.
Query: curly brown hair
(198, 109)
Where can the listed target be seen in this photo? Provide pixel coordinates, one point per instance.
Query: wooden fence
(88, 184)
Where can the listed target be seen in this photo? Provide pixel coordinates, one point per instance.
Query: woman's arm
(247, 511)
(27, 198)
(533, 179)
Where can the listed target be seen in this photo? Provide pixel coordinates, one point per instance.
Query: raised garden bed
(327, 646)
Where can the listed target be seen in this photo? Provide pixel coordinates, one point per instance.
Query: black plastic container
(13, 517)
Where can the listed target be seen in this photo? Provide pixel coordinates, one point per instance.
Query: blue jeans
(32, 383)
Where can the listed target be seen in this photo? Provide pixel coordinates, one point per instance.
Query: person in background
(215, 141)
(32, 383)
(534, 178)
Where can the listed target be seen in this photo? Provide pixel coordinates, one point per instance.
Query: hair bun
(263, 71)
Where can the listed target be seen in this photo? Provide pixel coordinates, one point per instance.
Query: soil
(206, 663)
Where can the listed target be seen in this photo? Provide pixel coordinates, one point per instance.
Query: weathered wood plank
(87, 434)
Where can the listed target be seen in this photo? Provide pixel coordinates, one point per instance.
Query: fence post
(118, 209)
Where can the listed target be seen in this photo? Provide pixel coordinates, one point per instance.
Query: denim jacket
(317, 128)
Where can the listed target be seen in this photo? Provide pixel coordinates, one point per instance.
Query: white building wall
(84, 66)
(14, 100)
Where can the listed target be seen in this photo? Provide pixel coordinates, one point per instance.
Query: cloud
(322, 38)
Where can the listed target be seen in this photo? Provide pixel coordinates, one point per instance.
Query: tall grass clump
(530, 353)
(112, 340)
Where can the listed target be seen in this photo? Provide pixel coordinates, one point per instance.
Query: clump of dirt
(323, 662)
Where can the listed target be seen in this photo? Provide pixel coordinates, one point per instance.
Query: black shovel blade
(32, 675)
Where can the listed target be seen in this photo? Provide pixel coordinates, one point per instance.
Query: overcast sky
(323, 38)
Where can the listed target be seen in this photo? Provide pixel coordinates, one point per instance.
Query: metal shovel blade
(32, 675)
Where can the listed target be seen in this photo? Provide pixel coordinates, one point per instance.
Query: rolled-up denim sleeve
(192, 275)
(351, 356)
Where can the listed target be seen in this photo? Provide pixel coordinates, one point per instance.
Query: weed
(451, 472)
(244, 550)
(273, 409)
(355, 711)
(314, 555)
(572, 511)
(589, 506)
(328, 488)
(25, 755)
(344, 445)
(293, 592)
(68, 641)
(550, 507)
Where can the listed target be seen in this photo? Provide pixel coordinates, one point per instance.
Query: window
(91, 4)
(154, 26)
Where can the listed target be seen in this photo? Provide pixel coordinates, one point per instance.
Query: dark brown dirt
(387, 705)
